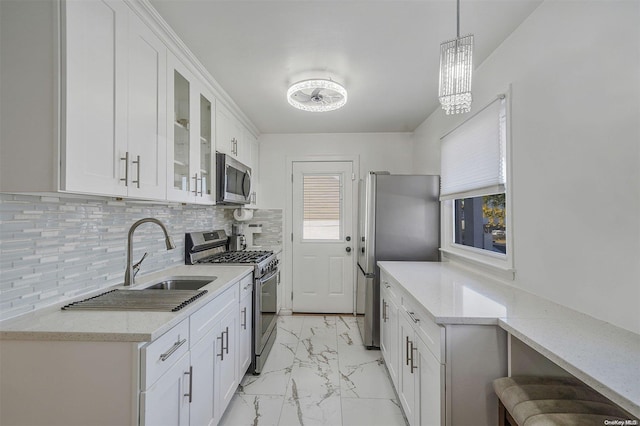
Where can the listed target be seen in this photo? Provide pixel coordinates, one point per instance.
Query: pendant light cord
(457, 18)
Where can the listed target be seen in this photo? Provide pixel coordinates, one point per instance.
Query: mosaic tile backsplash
(271, 221)
(55, 248)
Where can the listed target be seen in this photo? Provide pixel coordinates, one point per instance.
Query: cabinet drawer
(246, 286)
(205, 318)
(158, 356)
(431, 333)
(391, 287)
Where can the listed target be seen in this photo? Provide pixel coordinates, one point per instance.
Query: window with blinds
(322, 203)
(474, 181)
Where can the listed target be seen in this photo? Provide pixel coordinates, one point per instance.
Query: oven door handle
(267, 277)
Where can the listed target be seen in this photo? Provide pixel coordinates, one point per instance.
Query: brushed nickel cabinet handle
(221, 354)
(227, 340)
(413, 367)
(244, 316)
(195, 183)
(190, 394)
(407, 350)
(172, 349)
(415, 320)
(137, 161)
(126, 168)
(201, 181)
(384, 311)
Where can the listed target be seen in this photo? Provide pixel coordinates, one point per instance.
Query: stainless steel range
(210, 247)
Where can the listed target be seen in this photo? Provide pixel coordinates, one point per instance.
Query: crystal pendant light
(456, 69)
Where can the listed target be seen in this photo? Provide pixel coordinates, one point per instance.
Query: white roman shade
(473, 155)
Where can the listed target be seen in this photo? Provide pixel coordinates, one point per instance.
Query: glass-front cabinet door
(181, 183)
(191, 163)
(206, 176)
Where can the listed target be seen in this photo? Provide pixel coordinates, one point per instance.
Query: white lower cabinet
(406, 377)
(430, 380)
(389, 330)
(245, 327)
(199, 386)
(442, 374)
(203, 405)
(226, 378)
(166, 402)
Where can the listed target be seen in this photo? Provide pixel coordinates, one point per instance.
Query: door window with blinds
(322, 203)
(474, 185)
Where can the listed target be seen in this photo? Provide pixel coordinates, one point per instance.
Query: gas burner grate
(238, 257)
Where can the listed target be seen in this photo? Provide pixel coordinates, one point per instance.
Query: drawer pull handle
(384, 311)
(227, 340)
(167, 354)
(415, 320)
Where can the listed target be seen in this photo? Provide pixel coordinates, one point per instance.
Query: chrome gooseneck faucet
(130, 272)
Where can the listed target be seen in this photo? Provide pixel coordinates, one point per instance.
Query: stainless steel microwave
(233, 180)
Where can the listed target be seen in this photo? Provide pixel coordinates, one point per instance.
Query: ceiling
(385, 52)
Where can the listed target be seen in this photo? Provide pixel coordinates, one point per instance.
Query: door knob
(348, 238)
(348, 249)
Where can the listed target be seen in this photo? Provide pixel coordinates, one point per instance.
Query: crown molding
(145, 10)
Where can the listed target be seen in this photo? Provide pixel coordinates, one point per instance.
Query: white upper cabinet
(229, 133)
(94, 110)
(252, 160)
(147, 109)
(94, 103)
(115, 103)
(190, 164)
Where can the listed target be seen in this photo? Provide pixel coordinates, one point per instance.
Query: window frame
(495, 262)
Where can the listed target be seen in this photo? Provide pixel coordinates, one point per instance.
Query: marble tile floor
(318, 373)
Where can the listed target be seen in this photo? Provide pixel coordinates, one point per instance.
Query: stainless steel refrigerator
(399, 219)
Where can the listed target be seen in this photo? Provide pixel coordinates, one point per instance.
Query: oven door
(265, 312)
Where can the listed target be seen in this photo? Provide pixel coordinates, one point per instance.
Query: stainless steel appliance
(237, 243)
(399, 220)
(209, 247)
(233, 185)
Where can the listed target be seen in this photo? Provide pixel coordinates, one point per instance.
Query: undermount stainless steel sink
(181, 283)
(181, 291)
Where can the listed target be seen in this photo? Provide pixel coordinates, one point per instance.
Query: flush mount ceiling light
(317, 95)
(456, 68)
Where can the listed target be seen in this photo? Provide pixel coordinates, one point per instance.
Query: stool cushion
(529, 409)
(554, 401)
(499, 385)
(571, 419)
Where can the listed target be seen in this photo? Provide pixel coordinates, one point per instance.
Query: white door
(323, 240)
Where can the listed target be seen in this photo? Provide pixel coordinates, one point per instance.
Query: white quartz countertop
(119, 326)
(603, 356)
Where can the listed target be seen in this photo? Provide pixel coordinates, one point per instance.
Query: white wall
(377, 151)
(574, 68)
